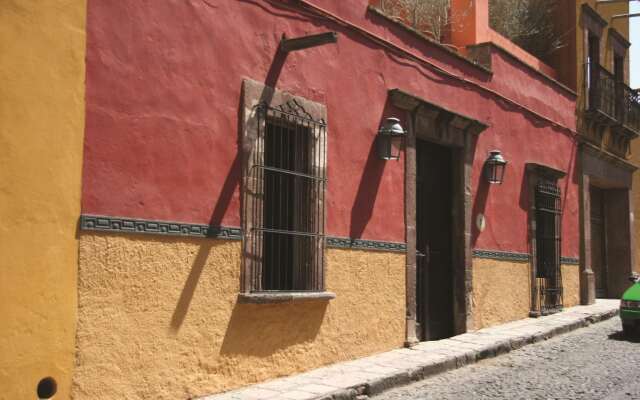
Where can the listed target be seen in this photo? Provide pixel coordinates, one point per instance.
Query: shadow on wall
(260, 330)
(365, 200)
(479, 205)
(226, 194)
(182, 308)
(229, 187)
(524, 201)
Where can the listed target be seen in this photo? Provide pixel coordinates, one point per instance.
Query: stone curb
(429, 358)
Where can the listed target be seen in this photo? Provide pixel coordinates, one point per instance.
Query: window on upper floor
(618, 67)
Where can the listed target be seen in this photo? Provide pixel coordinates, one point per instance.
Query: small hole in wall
(47, 388)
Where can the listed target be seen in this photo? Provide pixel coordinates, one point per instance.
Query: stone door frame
(436, 124)
(608, 172)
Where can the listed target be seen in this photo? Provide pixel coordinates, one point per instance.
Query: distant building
(608, 113)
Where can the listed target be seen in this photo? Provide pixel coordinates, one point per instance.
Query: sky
(634, 38)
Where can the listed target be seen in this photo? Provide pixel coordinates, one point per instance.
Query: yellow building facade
(608, 124)
(41, 134)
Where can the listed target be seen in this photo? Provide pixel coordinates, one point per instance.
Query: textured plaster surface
(156, 84)
(41, 132)
(570, 285)
(158, 318)
(501, 291)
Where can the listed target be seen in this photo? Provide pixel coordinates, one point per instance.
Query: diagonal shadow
(226, 194)
(229, 186)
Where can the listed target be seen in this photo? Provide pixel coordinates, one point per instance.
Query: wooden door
(598, 242)
(434, 240)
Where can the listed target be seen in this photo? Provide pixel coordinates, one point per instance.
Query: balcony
(601, 99)
(610, 103)
(628, 107)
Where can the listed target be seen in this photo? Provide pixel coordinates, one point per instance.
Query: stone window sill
(283, 297)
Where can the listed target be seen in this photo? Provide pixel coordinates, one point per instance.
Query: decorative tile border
(570, 260)
(348, 243)
(501, 255)
(133, 225)
(514, 256)
(143, 226)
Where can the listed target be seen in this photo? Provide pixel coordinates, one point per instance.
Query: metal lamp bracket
(305, 42)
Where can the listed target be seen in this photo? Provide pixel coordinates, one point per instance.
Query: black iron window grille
(548, 244)
(286, 185)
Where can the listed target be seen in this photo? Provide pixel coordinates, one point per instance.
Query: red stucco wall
(163, 96)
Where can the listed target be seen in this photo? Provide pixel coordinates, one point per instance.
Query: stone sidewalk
(371, 375)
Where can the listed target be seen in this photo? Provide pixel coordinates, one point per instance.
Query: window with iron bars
(285, 200)
(548, 245)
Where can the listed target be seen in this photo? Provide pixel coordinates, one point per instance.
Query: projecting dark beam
(626, 16)
(614, 1)
(304, 42)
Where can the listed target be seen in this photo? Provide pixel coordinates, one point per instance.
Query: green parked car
(630, 307)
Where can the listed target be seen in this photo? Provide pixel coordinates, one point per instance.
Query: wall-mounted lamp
(389, 140)
(494, 167)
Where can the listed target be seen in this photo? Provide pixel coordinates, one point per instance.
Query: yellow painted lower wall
(501, 291)
(570, 285)
(158, 318)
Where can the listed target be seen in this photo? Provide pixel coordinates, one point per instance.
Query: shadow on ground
(620, 336)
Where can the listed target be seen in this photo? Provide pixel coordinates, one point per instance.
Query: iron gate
(548, 246)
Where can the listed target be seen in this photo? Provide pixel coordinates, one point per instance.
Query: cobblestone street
(596, 362)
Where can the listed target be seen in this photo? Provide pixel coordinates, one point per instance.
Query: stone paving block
(366, 376)
(438, 366)
(281, 384)
(430, 357)
(379, 370)
(401, 364)
(223, 396)
(387, 382)
(346, 381)
(255, 393)
(318, 388)
(297, 395)
(345, 394)
(362, 364)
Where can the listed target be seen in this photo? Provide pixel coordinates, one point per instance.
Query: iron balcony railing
(601, 86)
(628, 107)
(611, 97)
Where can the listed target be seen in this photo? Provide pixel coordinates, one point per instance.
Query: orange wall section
(41, 133)
(471, 26)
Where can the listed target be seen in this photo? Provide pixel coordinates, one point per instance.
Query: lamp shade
(389, 139)
(494, 167)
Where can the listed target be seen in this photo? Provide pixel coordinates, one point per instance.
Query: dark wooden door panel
(434, 234)
(598, 241)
